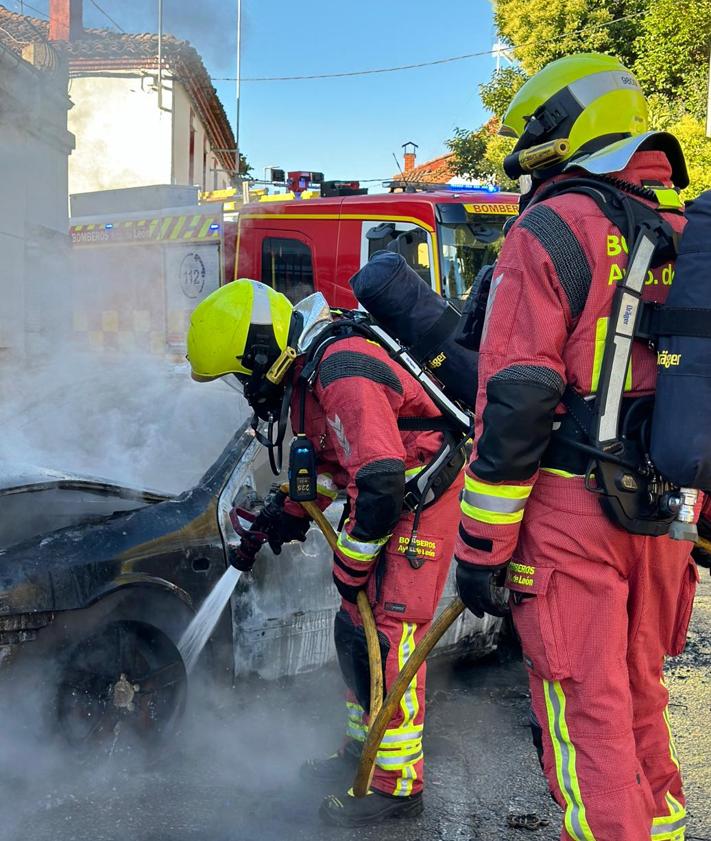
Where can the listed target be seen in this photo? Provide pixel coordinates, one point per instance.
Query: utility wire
(107, 16)
(422, 63)
(25, 4)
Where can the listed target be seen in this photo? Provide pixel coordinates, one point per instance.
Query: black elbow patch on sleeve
(381, 491)
(517, 420)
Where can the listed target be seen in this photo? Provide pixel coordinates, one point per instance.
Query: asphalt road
(233, 775)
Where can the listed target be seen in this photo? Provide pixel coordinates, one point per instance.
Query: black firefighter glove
(279, 526)
(482, 589)
(271, 525)
(701, 552)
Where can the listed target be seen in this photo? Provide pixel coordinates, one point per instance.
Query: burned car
(98, 582)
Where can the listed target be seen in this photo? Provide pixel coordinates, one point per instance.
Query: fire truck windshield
(466, 247)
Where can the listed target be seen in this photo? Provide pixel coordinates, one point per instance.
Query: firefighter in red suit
(351, 415)
(597, 608)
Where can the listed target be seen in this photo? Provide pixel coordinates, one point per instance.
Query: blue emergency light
(108, 226)
(469, 188)
(214, 227)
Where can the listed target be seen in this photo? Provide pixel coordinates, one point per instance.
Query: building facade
(137, 121)
(34, 237)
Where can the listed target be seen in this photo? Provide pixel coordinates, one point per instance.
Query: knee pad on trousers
(352, 652)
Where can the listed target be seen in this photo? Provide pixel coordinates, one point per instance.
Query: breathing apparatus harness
(455, 423)
(618, 467)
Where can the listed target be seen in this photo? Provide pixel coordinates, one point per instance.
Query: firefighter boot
(351, 811)
(340, 767)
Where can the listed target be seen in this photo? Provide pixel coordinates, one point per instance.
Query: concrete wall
(203, 176)
(125, 140)
(34, 225)
(122, 138)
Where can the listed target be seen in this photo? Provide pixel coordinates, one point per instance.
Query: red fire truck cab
(299, 246)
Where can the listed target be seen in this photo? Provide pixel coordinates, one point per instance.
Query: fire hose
(380, 715)
(382, 710)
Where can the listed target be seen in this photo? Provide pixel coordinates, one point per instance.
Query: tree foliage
(665, 42)
(480, 154)
(497, 93)
(672, 52)
(543, 30)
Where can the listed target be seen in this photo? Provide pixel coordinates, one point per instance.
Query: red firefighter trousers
(404, 601)
(607, 606)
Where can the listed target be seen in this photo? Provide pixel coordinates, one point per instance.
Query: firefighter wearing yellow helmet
(589, 111)
(600, 593)
(371, 428)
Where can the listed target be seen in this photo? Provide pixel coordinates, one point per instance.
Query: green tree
(543, 30)
(498, 93)
(665, 42)
(672, 52)
(469, 148)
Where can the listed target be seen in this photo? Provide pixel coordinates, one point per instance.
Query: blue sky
(347, 128)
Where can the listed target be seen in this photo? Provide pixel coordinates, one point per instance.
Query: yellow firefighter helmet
(240, 324)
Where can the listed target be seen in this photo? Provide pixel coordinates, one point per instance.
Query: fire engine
(299, 244)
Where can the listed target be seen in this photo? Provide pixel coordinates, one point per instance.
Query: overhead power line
(107, 16)
(24, 5)
(420, 64)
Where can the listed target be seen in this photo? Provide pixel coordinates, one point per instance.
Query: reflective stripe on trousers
(401, 748)
(356, 728)
(576, 822)
(671, 827)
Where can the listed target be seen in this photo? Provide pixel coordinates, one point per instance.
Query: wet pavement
(233, 775)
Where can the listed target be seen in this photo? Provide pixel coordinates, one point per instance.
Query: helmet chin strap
(263, 387)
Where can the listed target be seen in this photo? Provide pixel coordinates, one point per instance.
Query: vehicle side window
(410, 241)
(287, 266)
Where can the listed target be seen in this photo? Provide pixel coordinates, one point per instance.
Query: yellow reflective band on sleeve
(497, 504)
(576, 822)
(413, 471)
(515, 492)
(326, 486)
(363, 551)
(563, 473)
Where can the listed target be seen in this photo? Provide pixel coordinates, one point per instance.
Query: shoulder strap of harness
(424, 488)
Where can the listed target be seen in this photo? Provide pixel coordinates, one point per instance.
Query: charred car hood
(109, 535)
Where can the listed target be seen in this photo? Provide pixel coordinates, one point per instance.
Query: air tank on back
(410, 310)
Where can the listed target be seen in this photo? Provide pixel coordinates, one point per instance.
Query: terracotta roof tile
(437, 171)
(101, 50)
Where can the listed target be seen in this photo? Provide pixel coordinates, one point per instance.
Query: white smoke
(135, 419)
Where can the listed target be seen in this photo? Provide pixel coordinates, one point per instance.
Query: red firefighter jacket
(550, 300)
(351, 419)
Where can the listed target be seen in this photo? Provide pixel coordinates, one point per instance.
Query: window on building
(287, 266)
(191, 149)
